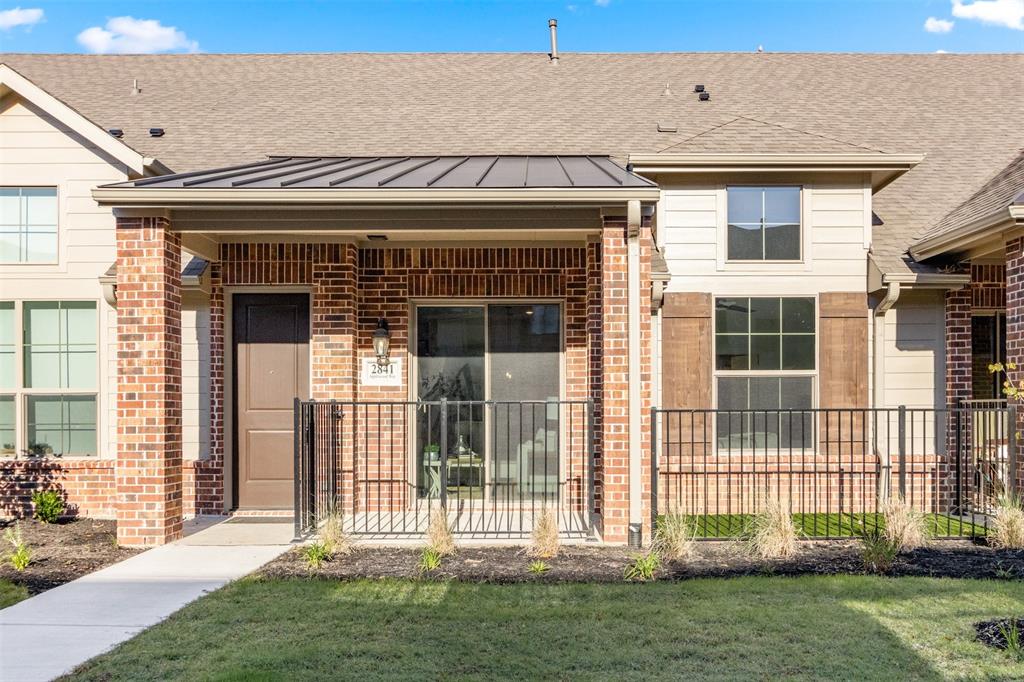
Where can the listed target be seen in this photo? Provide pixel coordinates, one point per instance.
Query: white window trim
(22, 393)
(805, 262)
(716, 373)
(60, 242)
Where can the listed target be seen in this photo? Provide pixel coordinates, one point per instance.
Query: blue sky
(493, 25)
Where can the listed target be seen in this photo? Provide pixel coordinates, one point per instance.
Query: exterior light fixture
(382, 342)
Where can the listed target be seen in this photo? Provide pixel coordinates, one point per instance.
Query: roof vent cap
(698, 88)
(156, 132)
(704, 96)
(116, 132)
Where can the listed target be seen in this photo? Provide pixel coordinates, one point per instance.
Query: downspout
(633, 219)
(892, 293)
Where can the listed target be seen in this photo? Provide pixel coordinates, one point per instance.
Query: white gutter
(892, 294)
(633, 218)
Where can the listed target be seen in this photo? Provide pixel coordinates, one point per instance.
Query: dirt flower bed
(952, 559)
(993, 632)
(62, 552)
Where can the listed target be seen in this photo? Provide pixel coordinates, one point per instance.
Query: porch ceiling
(397, 180)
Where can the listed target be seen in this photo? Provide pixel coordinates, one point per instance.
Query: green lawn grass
(831, 525)
(11, 593)
(815, 627)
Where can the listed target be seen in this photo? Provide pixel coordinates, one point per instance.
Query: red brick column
(958, 346)
(614, 396)
(148, 474)
(1015, 327)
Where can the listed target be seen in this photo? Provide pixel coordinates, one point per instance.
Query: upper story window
(764, 223)
(28, 224)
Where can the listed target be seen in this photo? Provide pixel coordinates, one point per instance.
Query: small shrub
(1004, 572)
(430, 560)
(316, 554)
(878, 552)
(48, 506)
(21, 555)
(544, 538)
(674, 537)
(332, 533)
(537, 567)
(642, 567)
(439, 533)
(771, 533)
(905, 527)
(1007, 530)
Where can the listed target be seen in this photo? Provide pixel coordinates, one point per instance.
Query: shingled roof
(1005, 188)
(962, 111)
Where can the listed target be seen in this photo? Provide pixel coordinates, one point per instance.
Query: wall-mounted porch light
(382, 342)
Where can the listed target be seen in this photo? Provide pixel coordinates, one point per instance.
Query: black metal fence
(490, 466)
(834, 468)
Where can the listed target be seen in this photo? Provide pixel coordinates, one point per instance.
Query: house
(495, 265)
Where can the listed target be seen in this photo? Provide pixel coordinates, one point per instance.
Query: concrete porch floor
(54, 632)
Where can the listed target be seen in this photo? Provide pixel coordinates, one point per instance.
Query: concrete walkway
(52, 633)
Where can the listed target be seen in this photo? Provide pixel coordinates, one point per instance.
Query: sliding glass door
(508, 354)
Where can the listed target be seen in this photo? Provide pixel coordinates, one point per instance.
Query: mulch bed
(993, 632)
(62, 552)
(581, 563)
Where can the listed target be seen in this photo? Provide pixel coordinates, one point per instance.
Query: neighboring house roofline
(982, 235)
(138, 165)
(884, 168)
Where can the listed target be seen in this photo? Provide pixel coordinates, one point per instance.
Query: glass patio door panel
(450, 346)
(504, 353)
(525, 365)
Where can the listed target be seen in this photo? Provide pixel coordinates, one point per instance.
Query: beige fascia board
(15, 82)
(1017, 212)
(965, 237)
(181, 197)
(670, 163)
(883, 168)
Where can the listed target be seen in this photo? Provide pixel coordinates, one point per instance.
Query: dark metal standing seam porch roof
(408, 172)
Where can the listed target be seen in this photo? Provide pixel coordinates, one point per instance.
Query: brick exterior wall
(988, 286)
(149, 464)
(87, 485)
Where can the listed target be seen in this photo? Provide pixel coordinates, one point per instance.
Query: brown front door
(271, 352)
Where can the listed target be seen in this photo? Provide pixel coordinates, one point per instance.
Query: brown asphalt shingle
(963, 111)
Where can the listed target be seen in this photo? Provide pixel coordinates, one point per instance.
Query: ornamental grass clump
(771, 533)
(878, 551)
(544, 537)
(674, 537)
(332, 533)
(1007, 531)
(905, 527)
(439, 533)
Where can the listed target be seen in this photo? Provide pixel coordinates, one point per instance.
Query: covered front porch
(388, 336)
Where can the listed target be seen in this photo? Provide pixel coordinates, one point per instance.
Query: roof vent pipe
(553, 25)
(135, 86)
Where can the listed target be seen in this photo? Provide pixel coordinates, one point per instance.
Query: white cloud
(1008, 13)
(9, 18)
(933, 25)
(602, 3)
(128, 35)
(941, 52)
